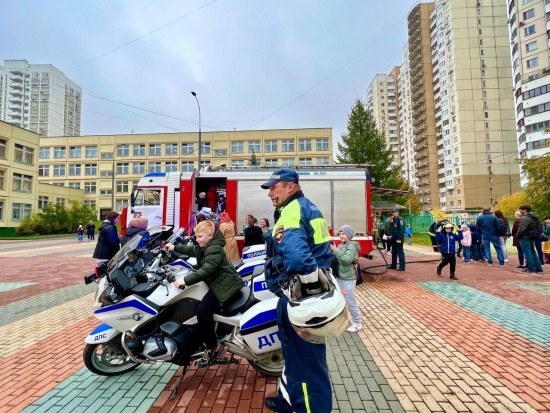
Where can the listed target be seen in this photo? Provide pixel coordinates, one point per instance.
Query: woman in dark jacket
(108, 243)
(503, 236)
(220, 276)
(90, 230)
(135, 226)
(253, 235)
(515, 240)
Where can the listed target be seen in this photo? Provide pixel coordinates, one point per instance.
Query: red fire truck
(341, 192)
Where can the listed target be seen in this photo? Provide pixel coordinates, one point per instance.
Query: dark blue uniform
(397, 237)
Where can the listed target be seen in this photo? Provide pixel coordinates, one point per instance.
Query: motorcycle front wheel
(271, 365)
(107, 359)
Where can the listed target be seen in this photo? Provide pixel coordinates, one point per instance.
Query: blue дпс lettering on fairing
(101, 328)
(155, 174)
(133, 303)
(260, 286)
(260, 319)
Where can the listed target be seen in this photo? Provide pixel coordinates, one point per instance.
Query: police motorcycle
(145, 319)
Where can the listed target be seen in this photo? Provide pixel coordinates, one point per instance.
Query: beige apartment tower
(474, 104)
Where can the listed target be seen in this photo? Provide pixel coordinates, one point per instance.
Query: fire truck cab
(341, 192)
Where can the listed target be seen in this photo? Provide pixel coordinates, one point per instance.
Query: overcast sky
(254, 64)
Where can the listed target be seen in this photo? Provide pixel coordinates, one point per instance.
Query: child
(447, 245)
(409, 233)
(220, 276)
(466, 242)
(80, 233)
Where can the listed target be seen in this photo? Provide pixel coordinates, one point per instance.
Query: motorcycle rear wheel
(106, 359)
(270, 366)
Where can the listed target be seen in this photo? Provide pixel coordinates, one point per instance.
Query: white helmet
(319, 317)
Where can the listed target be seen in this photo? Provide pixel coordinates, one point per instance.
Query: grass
(28, 237)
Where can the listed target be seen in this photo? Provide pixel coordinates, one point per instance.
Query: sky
(253, 64)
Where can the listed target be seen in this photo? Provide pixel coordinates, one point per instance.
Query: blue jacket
(299, 242)
(108, 243)
(447, 241)
(489, 225)
(398, 228)
(476, 236)
(409, 232)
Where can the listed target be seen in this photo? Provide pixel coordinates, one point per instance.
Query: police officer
(298, 246)
(397, 238)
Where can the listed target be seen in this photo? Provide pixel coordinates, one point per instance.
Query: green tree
(537, 191)
(253, 160)
(364, 144)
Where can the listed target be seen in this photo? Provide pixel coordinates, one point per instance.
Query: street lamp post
(509, 173)
(200, 135)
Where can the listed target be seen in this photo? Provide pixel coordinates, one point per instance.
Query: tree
(364, 144)
(253, 160)
(537, 191)
(510, 203)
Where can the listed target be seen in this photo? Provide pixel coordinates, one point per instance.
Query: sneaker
(520, 266)
(502, 265)
(453, 277)
(506, 260)
(490, 265)
(438, 271)
(354, 328)
(527, 270)
(209, 356)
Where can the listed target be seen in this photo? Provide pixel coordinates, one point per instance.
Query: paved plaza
(429, 344)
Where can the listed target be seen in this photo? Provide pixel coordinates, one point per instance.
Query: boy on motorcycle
(220, 276)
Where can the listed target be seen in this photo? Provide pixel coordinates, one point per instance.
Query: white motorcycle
(147, 320)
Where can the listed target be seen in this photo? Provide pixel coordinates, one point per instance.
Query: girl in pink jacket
(466, 242)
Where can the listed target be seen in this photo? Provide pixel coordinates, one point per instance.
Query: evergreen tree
(253, 160)
(364, 144)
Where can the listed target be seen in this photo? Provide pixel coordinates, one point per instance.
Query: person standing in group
(409, 233)
(397, 238)
(108, 243)
(466, 242)
(490, 228)
(253, 234)
(515, 240)
(90, 230)
(298, 248)
(201, 201)
(447, 245)
(546, 244)
(527, 235)
(80, 233)
(264, 225)
(347, 254)
(476, 248)
(227, 228)
(504, 233)
(222, 205)
(135, 226)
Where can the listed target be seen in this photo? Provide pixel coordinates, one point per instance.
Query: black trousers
(205, 317)
(448, 259)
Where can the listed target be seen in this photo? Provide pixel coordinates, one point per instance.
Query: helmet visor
(326, 332)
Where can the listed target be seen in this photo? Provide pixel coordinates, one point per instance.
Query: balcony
(16, 78)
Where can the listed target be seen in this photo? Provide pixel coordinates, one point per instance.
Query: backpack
(534, 231)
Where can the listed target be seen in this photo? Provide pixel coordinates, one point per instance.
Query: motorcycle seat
(237, 302)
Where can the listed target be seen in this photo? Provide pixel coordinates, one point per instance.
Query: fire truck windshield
(147, 197)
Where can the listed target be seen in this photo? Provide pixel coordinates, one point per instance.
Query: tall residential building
(474, 103)
(422, 84)
(407, 152)
(40, 98)
(528, 28)
(382, 103)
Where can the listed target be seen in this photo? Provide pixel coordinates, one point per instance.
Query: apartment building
(528, 23)
(107, 167)
(40, 98)
(382, 103)
(474, 104)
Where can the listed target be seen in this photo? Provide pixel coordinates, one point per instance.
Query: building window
(254, 147)
(43, 153)
(74, 185)
(306, 161)
(75, 152)
(75, 169)
(1, 210)
(121, 204)
(530, 30)
(139, 150)
(187, 166)
(2, 179)
(138, 168)
(42, 202)
(323, 161)
(171, 149)
(529, 14)
(90, 204)
(322, 144)
(171, 167)
(533, 62)
(271, 146)
(123, 168)
(186, 148)
(91, 151)
(21, 212)
(106, 192)
(237, 147)
(90, 187)
(288, 162)
(44, 170)
(237, 164)
(529, 47)
(91, 169)
(123, 150)
(122, 186)
(271, 162)
(288, 145)
(304, 145)
(22, 183)
(205, 149)
(59, 152)
(59, 170)
(155, 150)
(155, 166)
